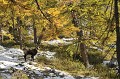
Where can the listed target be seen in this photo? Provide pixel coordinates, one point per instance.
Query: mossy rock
(19, 75)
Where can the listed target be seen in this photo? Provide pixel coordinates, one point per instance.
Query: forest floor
(13, 66)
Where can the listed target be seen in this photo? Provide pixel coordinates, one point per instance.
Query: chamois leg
(32, 57)
(25, 57)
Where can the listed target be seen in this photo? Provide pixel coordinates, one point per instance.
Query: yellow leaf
(53, 11)
(4, 2)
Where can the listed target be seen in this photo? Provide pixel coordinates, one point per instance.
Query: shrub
(42, 59)
(8, 43)
(66, 51)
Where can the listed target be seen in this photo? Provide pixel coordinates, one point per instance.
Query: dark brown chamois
(31, 52)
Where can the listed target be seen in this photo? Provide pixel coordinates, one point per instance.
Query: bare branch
(42, 11)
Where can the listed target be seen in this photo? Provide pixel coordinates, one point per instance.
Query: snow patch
(2, 48)
(64, 41)
(10, 62)
(47, 54)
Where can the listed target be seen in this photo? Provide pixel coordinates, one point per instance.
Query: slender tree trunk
(83, 49)
(39, 39)
(35, 31)
(20, 37)
(41, 36)
(118, 34)
(84, 54)
(19, 30)
(35, 35)
(13, 24)
(0, 34)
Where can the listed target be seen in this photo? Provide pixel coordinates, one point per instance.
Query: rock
(5, 75)
(78, 77)
(52, 75)
(61, 75)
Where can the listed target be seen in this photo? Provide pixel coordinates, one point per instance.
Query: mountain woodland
(94, 24)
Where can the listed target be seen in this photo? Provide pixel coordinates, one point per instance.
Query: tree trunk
(0, 34)
(19, 30)
(13, 24)
(39, 39)
(35, 35)
(41, 36)
(82, 47)
(35, 31)
(84, 54)
(20, 37)
(83, 50)
(117, 33)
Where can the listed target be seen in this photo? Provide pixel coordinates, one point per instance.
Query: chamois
(31, 52)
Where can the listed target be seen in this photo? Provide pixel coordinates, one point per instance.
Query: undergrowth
(64, 61)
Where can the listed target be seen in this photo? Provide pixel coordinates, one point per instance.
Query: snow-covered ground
(49, 55)
(11, 60)
(64, 41)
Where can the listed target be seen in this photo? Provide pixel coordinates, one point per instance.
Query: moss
(19, 75)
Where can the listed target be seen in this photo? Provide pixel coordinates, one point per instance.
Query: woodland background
(26, 23)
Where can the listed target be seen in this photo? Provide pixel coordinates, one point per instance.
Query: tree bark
(84, 54)
(117, 34)
(0, 33)
(13, 25)
(19, 30)
(41, 36)
(35, 31)
(80, 35)
(35, 35)
(83, 51)
(20, 37)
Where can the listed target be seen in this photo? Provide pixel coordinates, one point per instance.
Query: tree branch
(42, 11)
